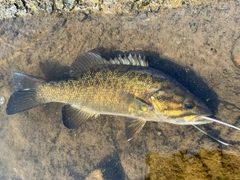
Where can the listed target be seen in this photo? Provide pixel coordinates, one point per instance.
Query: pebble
(2, 100)
(236, 53)
(69, 4)
(96, 175)
(178, 42)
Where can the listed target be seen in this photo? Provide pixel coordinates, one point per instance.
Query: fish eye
(189, 105)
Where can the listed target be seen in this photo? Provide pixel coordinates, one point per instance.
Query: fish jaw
(190, 120)
(197, 117)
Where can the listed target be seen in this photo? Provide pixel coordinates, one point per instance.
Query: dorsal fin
(84, 62)
(132, 60)
(90, 60)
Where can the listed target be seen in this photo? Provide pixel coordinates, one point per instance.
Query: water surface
(192, 44)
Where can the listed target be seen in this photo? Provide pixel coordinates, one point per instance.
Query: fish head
(175, 104)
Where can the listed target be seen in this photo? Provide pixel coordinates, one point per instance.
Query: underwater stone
(69, 4)
(2, 100)
(236, 53)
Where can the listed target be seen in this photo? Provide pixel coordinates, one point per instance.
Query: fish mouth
(195, 119)
(191, 119)
(201, 120)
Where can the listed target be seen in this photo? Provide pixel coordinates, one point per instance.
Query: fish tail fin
(25, 96)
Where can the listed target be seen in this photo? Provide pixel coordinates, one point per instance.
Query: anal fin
(73, 117)
(133, 126)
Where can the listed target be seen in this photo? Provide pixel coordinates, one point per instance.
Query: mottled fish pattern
(123, 86)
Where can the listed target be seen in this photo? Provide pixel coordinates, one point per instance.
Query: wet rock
(2, 100)
(49, 6)
(95, 175)
(9, 12)
(58, 5)
(9, 9)
(236, 53)
(69, 4)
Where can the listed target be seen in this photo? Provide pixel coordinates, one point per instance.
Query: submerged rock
(2, 100)
(236, 53)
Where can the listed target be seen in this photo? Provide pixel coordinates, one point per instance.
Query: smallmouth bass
(123, 86)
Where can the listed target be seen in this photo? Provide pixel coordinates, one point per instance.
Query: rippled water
(194, 45)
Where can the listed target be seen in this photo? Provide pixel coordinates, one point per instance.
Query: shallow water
(194, 45)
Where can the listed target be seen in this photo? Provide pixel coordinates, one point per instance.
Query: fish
(123, 86)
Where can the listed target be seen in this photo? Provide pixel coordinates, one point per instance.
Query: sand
(193, 44)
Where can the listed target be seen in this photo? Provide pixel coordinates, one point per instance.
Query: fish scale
(124, 86)
(99, 93)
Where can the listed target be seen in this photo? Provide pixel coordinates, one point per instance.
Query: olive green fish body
(123, 87)
(108, 91)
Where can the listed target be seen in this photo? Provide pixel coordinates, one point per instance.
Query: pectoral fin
(134, 103)
(133, 126)
(73, 117)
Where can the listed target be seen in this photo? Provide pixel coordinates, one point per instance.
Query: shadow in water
(54, 71)
(111, 167)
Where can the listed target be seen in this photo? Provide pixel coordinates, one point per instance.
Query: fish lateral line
(137, 92)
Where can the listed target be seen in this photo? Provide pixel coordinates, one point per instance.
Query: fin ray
(134, 102)
(132, 60)
(90, 60)
(24, 82)
(21, 101)
(73, 117)
(26, 96)
(84, 62)
(133, 126)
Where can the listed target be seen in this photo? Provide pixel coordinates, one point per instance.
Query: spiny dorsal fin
(133, 60)
(133, 126)
(90, 60)
(84, 62)
(73, 117)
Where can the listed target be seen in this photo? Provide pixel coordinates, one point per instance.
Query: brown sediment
(35, 144)
(205, 164)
